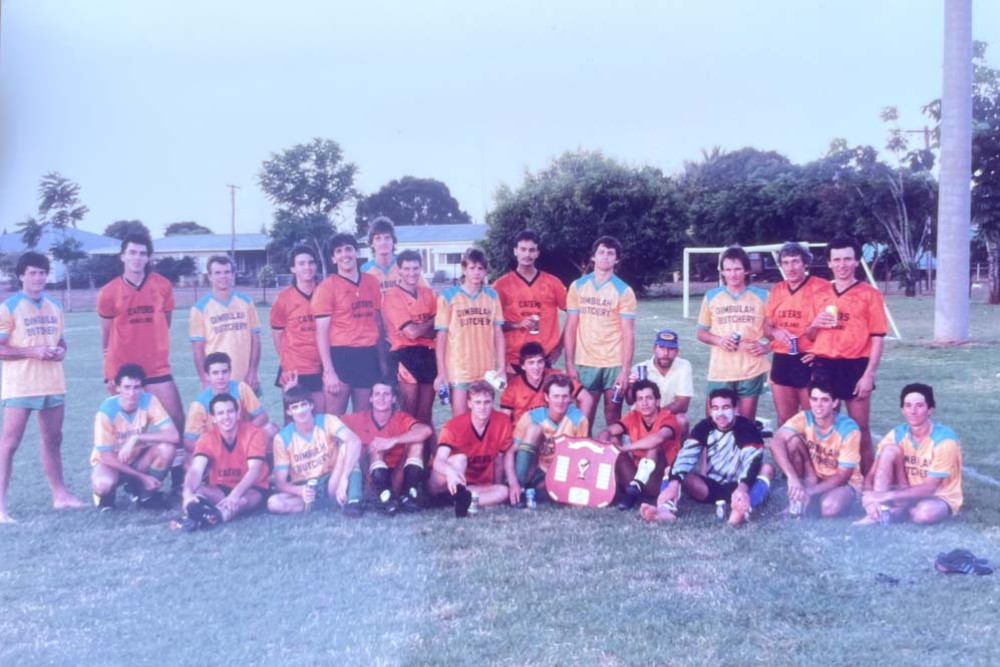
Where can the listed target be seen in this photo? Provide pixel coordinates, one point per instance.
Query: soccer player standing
(347, 306)
(225, 320)
(469, 325)
(136, 310)
(408, 309)
(791, 307)
(849, 331)
(293, 328)
(32, 348)
(732, 322)
(531, 301)
(600, 332)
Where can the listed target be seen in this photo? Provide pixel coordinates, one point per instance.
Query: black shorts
(718, 491)
(356, 366)
(159, 379)
(419, 361)
(840, 374)
(789, 371)
(309, 381)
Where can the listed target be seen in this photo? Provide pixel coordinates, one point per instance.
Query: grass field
(552, 586)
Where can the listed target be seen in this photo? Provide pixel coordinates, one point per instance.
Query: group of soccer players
(364, 352)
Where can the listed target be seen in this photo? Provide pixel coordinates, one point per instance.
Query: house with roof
(251, 250)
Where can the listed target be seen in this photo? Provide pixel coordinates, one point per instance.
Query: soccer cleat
(152, 501)
(105, 503)
(189, 525)
(630, 499)
(387, 503)
(463, 499)
(205, 513)
(961, 561)
(409, 505)
(353, 509)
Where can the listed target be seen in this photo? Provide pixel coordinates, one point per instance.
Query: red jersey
(367, 429)
(351, 308)
(481, 449)
(229, 462)
(794, 309)
(140, 333)
(636, 429)
(544, 295)
(292, 315)
(400, 308)
(860, 315)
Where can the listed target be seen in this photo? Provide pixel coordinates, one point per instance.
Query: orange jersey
(351, 308)
(574, 424)
(309, 456)
(938, 455)
(113, 426)
(793, 310)
(723, 314)
(636, 429)
(860, 315)
(387, 277)
(292, 315)
(481, 449)
(25, 322)
(471, 321)
(200, 421)
(837, 448)
(401, 308)
(226, 326)
(140, 333)
(228, 462)
(543, 296)
(520, 395)
(367, 429)
(601, 309)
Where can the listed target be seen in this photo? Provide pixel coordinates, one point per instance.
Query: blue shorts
(35, 402)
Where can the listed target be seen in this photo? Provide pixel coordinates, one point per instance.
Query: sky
(155, 107)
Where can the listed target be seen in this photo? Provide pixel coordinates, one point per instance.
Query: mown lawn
(552, 586)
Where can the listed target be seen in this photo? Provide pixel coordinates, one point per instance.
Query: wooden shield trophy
(582, 472)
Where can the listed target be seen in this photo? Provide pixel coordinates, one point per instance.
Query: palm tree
(951, 309)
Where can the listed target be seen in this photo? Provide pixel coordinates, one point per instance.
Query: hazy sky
(153, 107)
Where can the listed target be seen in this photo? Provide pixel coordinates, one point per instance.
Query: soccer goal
(772, 248)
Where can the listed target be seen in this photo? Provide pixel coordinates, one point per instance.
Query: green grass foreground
(551, 586)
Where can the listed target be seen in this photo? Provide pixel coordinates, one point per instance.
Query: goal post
(773, 249)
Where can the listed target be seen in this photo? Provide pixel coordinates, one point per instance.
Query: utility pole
(232, 222)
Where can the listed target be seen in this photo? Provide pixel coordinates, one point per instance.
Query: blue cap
(667, 338)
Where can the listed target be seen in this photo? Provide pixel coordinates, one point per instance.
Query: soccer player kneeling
(467, 450)
(134, 443)
(233, 454)
(315, 459)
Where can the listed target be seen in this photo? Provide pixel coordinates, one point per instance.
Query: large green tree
(59, 208)
(411, 201)
(119, 229)
(583, 195)
(185, 228)
(308, 183)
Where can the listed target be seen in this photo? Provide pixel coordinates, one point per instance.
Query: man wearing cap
(671, 374)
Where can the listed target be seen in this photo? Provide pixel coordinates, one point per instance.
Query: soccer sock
(354, 486)
(759, 490)
(523, 460)
(381, 480)
(413, 474)
(176, 477)
(645, 469)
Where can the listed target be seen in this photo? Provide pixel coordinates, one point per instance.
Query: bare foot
(651, 513)
(866, 521)
(737, 515)
(66, 501)
(6, 518)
